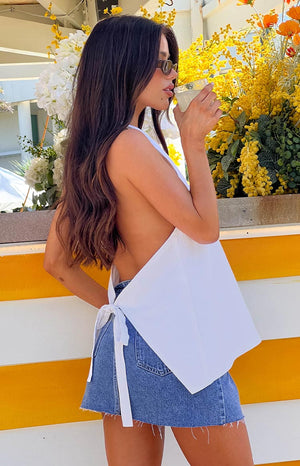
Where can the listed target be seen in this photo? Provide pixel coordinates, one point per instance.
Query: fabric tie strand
(121, 338)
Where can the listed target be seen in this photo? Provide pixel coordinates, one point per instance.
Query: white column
(196, 19)
(25, 128)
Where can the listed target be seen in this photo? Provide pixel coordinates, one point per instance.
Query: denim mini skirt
(156, 395)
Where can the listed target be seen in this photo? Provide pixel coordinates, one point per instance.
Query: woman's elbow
(54, 266)
(214, 237)
(49, 265)
(209, 236)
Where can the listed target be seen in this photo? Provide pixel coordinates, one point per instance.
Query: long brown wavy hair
(117, 62)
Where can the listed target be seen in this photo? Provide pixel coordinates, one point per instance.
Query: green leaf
(222, 187)
(242, 118)
(38, 187)
(234, 147)
(230, 138)
(292, 184)
(229, 100)
(230, 155)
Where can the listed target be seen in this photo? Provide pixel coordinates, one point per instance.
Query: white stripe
(274, 430)
(71, 444)
(274, 306)
(47, 329)
(51, 329)
(260, 231)
(22, 248)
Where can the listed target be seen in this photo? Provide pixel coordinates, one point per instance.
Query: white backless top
(186, 304)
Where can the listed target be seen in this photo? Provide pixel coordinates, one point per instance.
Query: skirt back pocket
(147, 359)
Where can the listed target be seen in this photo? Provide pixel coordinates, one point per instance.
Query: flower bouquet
(255, 148)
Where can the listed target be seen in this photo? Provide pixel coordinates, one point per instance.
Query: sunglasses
(166, 66)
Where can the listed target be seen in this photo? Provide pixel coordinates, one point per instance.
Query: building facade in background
(25, 33)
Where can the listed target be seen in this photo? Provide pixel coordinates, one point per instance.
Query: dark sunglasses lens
(167, 67)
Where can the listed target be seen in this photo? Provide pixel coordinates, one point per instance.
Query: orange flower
(268, 21)
(288, 28)
(245, 2)
(296, 39)
(294, 12)
(291, 52)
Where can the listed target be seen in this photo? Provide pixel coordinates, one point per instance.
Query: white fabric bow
(121, 338)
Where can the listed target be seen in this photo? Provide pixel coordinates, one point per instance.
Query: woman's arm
(194, 125)
(73, 278)
(194, 212)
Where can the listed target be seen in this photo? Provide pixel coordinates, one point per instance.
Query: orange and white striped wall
(46, 339)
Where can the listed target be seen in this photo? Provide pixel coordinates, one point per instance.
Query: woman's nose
(173, 74)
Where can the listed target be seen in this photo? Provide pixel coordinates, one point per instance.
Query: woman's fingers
(201, 116)
(214, 105)
(205, 92)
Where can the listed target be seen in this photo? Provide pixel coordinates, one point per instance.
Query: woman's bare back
(140, 225)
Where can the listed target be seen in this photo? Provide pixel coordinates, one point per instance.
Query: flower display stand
(46, 334)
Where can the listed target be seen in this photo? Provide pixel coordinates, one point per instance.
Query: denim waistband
(120, 286)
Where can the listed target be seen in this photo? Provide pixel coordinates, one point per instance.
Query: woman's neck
(135, 118)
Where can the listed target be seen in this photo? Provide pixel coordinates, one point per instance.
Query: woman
(125, 206)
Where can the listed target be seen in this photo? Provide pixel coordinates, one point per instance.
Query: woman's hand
(200, 117)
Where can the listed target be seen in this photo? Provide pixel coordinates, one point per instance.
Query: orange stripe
(265, 257)
(285, 463)
(23, 277)
(51, 392)
(269, 372)
(43, 393)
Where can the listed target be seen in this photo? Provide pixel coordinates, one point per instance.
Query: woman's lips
(169, 90)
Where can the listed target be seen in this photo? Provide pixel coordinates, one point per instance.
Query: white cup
(187, 92)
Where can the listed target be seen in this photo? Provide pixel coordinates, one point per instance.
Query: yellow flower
(105, 11)
(160, 16)
(86, 29)
(55, 43)
(234, 181)
(116, 10)
(255, 179)
(174, 154)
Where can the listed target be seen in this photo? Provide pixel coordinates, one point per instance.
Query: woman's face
(160, 88)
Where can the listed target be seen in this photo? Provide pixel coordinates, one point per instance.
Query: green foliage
(279, 151)
(280, 147)
(49, 192)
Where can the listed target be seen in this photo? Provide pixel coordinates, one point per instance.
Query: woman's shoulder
(130, 137)
(131, 146)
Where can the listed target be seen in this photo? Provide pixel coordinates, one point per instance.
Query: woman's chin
(162, 106)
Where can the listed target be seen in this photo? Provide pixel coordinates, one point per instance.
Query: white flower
(54, 88)
(37, 172)
(58, 171)
(60, 140)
